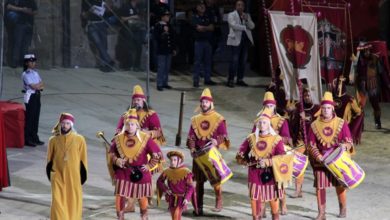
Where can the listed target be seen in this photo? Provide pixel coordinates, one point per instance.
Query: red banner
(332, 38)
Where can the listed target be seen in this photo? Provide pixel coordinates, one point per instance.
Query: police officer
(32, 87)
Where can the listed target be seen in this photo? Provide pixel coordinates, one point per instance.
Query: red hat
(364, 46)
(66, 116)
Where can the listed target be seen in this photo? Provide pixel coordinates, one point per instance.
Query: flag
(282, 167)
(296, 43)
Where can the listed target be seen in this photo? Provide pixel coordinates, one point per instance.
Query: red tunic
(124, 186)
(257, 189)
(179, 181)
(348, 109)
(324, 137)
(197, 141)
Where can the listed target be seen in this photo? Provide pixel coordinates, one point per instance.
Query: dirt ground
(98, 99)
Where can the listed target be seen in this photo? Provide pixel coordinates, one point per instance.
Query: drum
(213, 166)
(347, 171)
(300, 160)
(300, 163)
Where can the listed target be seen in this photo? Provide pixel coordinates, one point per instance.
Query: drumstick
(257, 162)
(292, 149)
(204, 148)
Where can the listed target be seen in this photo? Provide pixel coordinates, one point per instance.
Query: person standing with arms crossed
(32, 87)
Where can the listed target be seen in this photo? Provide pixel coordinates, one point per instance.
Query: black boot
(378, 124)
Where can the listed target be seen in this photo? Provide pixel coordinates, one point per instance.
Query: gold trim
(320, 124)
(176, 175)
(214, 119)
(254, 152)
(143, 115)
(120, 141)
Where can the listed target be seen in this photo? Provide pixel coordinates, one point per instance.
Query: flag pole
(300, 87)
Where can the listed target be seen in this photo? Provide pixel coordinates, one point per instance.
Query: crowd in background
(194, 35)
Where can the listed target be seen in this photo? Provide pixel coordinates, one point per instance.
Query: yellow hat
(131, 116)
(327, 98)
(138, 92)
(266, 113)
(269, 98)
(175, 153)
(206, 94)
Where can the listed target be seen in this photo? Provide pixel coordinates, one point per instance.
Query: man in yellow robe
(66, 169)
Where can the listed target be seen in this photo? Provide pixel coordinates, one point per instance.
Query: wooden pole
(180, 126)
(267, 34)
(300, 88)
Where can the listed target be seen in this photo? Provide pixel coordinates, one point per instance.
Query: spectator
(240, 26)
(19, 21)
(93, 14)
(132, 35)
(185, 40)
(213, 12)
(156, 7)
(165, 38)
(32, 87)
(203, 36)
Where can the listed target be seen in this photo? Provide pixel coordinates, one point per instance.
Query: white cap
(29, 57)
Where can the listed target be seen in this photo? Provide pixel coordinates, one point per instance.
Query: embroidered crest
(283, 168)
(298, 43)
(205, 125)
(261, 145)
(130, 142)
(327, 131)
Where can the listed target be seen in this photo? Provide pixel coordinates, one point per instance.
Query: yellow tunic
(66, 152)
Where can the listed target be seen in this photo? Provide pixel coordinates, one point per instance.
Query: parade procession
(202, 109)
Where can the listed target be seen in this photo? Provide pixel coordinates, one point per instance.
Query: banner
(332, 39)
(296, 43)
